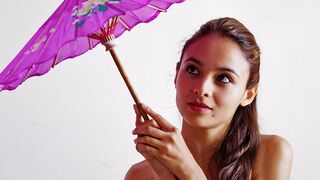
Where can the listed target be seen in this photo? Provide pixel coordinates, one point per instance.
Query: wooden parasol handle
(106, 37)
(126, 80)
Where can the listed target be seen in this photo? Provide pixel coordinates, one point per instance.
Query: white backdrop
(75, 122)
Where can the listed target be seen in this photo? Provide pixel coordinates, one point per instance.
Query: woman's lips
(199, 107)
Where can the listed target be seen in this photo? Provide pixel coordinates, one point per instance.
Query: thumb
(139, 119)
(163, 123)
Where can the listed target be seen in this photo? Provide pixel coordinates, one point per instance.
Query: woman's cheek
(229, 101)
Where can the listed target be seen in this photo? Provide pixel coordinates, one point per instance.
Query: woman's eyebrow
(192, 59)
(228, 69)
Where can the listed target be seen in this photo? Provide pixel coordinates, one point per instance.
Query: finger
(164, 124)
(149, 131)
(146, 149)
(152, 123)
(148, 140)
(139, 119)
(142, 112)
(160, 145)
(152, 151)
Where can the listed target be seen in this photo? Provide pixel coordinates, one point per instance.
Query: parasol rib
(26, 76)
(90, 43)
(56, 58)
(124, 24)
(156, 8)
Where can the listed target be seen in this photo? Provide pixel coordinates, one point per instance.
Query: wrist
(193, 173)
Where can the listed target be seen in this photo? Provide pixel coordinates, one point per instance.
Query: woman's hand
(166, 144)
(162, 171)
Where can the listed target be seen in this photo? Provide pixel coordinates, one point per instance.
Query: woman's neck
(203, 142)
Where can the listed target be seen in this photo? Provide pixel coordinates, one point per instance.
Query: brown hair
(234, 158)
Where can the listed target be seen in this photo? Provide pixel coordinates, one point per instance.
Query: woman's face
(211, 81)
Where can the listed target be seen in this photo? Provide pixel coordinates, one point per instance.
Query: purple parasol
(74, 28)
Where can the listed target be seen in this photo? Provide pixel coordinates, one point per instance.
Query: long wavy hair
(233, 160)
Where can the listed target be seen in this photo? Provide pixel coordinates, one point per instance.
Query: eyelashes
(224, 78)
(194, 71)
(191, 69)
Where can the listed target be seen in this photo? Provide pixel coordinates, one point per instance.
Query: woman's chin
(200, 122)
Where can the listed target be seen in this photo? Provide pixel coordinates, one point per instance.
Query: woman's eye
(192, 69)
(224, 79)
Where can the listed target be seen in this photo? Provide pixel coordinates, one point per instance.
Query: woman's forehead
(216, 51)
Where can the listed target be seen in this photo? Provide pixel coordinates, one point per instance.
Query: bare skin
(270, 164)
(213, 72)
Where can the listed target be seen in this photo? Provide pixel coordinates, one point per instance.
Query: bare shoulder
(274, 158)
(141, 171)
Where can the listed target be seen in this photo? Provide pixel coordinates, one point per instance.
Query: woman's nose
(204, 88)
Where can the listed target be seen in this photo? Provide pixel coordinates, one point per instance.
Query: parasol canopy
(68, 33)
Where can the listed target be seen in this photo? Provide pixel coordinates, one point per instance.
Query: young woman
(216, 86)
